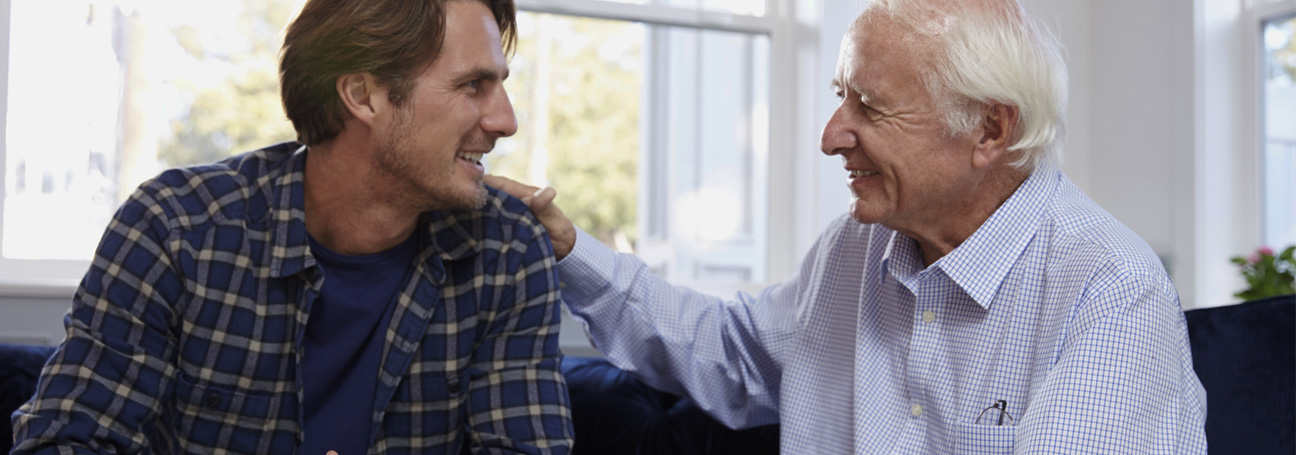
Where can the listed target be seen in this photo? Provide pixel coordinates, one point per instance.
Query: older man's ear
(997, 130)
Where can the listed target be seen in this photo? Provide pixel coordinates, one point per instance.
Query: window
(1278, 129)
(655, 136)
(103, 94)
(652, 117)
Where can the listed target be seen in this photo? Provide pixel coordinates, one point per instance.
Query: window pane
(655, 137)
(1279, 160)
(711, 144)
(575, 86)
(61, 130)
(105, 94)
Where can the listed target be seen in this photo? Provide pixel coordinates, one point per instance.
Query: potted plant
(1267, 274)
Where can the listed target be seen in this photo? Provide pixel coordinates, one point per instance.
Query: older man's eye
(870, 113)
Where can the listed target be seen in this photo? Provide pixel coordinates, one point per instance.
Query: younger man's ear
(997, 128)
(361, 95)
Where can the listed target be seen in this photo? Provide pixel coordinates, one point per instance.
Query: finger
(542, 205)
(561, 231)
(332, 452)
(513, 188)
(542, 199)
(541, 202)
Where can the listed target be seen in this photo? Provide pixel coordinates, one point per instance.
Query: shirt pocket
(439, 400)
(983, 439)
(213, 415)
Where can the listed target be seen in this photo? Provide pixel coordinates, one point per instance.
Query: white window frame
(791, 165)
(1258, 14)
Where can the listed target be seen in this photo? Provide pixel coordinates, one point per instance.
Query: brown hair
(391, 39)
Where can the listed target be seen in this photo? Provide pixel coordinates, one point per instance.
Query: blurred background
(683, 131)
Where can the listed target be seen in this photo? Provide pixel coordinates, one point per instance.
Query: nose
(498, 118)
(837, 134)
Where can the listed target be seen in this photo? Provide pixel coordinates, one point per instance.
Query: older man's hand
(561, 230)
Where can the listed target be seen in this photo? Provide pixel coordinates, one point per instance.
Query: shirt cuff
(587, 270)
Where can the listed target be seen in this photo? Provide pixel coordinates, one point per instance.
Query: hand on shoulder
(561, 230)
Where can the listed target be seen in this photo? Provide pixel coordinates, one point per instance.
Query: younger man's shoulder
(502, 222)
(227, 175)
(231, 188)
(508, 210)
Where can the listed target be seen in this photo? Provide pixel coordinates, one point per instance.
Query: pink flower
(1253, 258)
(1266, 251)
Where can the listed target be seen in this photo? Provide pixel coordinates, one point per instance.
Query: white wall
(1159, 96)
(1140, 156)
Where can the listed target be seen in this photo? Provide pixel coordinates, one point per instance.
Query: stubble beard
(424, 189)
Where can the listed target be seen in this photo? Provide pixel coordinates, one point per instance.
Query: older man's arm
(727, 355)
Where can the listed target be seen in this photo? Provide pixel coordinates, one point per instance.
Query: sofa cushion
(19, 367)
(1245, 356)
(614, 413)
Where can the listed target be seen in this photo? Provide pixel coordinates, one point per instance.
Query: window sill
(38, 288)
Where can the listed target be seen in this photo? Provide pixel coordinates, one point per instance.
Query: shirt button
(213, 400)
(915, 410)
(929, 316)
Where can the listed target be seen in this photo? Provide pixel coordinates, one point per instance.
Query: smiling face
(903, 169)
(431, 146)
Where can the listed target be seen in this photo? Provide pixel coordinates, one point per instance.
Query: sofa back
(1245, 356)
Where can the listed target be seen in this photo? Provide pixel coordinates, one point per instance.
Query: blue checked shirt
(185, 335)
(1051, 306)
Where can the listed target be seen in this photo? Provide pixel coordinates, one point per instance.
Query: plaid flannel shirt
(185, 334)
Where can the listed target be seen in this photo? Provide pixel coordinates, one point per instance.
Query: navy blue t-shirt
(344, 340)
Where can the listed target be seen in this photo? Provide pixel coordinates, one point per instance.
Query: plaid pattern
(1051, 306)
(185, 334)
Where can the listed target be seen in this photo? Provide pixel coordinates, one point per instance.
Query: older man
(972, 301)
(358, 292)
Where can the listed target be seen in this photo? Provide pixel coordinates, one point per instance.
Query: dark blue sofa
(1245, 355)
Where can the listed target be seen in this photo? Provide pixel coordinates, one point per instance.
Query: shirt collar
(901, 259)
(290, 246)
(981, 262)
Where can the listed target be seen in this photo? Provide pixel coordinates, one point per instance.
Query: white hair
(990, 52)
